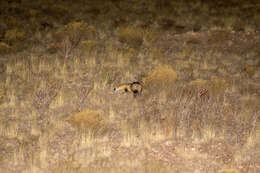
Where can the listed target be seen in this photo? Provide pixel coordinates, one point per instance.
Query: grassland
(199, 62)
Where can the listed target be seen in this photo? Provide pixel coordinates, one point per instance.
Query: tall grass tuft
(69, 37)
(88, 120)
(162, 78)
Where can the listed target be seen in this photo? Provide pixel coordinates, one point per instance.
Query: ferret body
(135, 87)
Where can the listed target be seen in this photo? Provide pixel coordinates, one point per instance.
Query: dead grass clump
(88, 120)
(11, 21)
(217, 37)
(214, 87)
(68, 37)
(229, 171)
(57, 11)
(2, 94)
(258, 131)
(16, 34)
(156, 53)
(129, 55)
(89, 46)
(154, 166)
(33, 13)
(199, 83)
(249, 70)
(151, 36)
(4, 48)
(108, 75)
(200, 88)
(218, 86)
(45, 93)
(162, 78)
(131, 36)
(203, 118)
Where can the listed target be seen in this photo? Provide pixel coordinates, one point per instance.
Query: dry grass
(89, 46)
(69, 37)
(213, 88)
(199, 111)
(257, 131)
(162, 78)
(15, 34)
(229, 171)
(131, 36)
(88, 119)
(2, 93)
(4, 48)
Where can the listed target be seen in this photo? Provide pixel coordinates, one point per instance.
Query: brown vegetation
(162, 78)
(198, 62)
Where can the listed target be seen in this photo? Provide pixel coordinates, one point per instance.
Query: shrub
(68, 37)
(199, 83)
(89, 45)
(229, 171)
(88, 120)
(151, 36)
(131, 36)
(2, 94)
(162, 77)
(218, 37)
(4, 48)
(214, 88)
(44, 93)
(11, 21)
(15, 34)
(218, 86)
(199, 88)
(249, 70)
(57, 11)
(258, 131)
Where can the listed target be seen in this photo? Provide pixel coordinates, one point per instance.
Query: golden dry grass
(4, 48)
(58, 112)
(229, 171)
(214, 88)
(15, 34)
(161, 78)
(199, 83)
(89, 45)
(91, 119)
(2, 93)
(130, 35)
(258, 131)
(68, 38)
